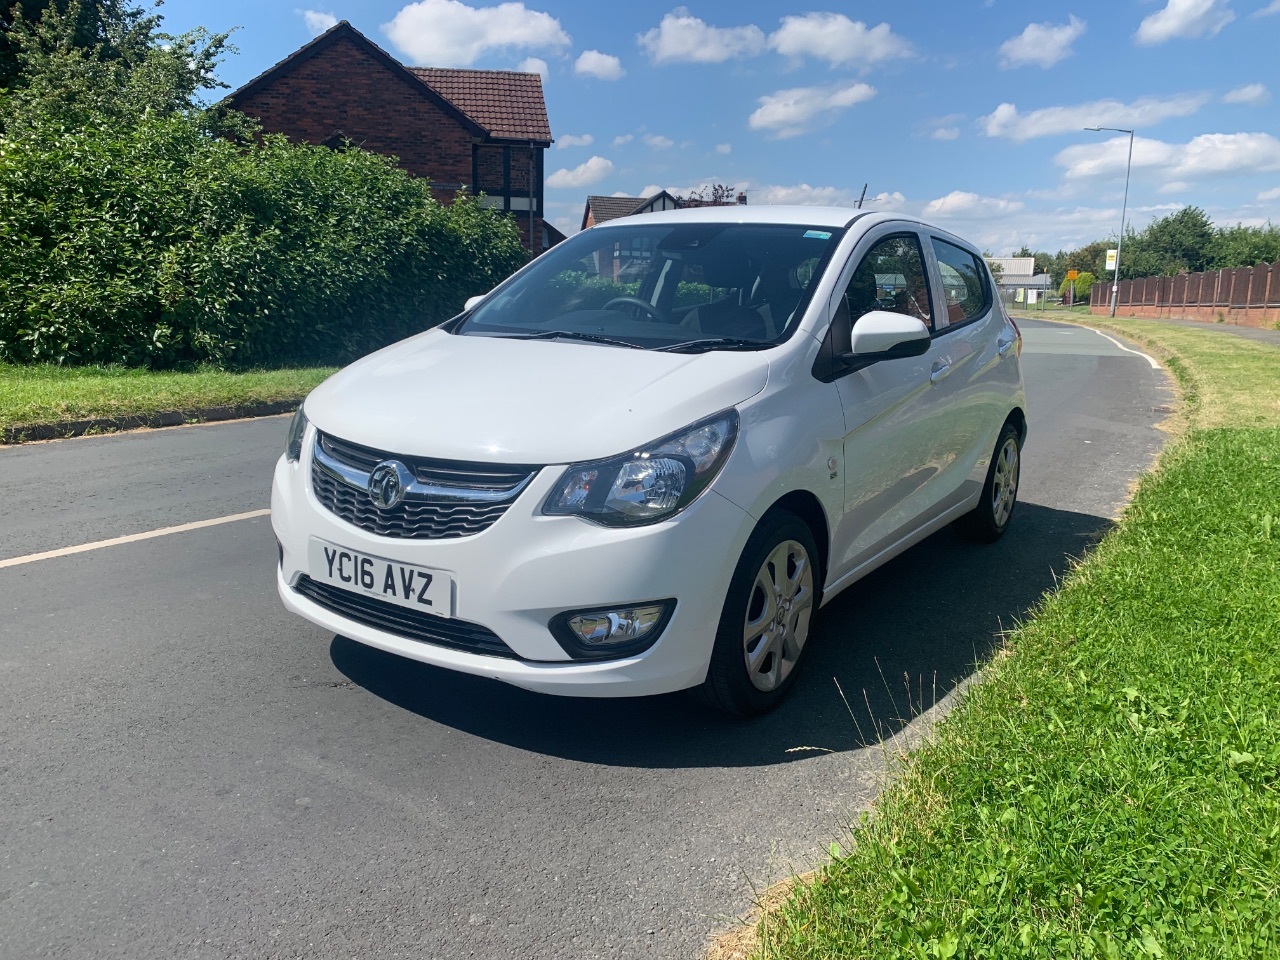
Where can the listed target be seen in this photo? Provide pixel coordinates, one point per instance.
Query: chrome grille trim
(448, 499)
(458, 490)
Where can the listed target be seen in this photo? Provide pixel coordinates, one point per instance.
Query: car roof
(790, 215)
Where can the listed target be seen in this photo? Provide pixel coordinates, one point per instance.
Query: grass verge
(38, 395)
(1112, 788)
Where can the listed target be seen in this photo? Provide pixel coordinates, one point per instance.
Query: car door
(971, 382)
(895, 416)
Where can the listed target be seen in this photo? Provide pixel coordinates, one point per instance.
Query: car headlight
(651, 484)
(297, 428)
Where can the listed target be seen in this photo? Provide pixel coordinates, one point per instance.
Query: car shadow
(885, 650)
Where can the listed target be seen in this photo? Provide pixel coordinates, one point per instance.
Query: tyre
(764, 627)
(987, 522)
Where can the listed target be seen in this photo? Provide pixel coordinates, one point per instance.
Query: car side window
(891, 277)
(964, 282)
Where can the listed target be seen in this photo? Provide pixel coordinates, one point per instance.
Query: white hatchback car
(644, 461)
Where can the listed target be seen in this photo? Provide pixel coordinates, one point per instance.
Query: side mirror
(880, 335)
(472, 302)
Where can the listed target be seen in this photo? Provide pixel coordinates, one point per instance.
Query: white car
(644, 461)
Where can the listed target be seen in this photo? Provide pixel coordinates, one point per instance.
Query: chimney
(742, 197)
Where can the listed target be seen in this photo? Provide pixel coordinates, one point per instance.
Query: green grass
(37, 395)
(1112, 787)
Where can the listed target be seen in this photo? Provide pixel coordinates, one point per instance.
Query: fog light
(612, 631)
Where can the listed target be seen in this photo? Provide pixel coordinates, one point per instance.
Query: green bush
(155, 244)
(1083, 285)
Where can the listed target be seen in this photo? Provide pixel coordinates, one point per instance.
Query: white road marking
(132, 538)
(1151, 360)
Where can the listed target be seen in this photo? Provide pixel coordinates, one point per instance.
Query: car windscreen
(686, 286)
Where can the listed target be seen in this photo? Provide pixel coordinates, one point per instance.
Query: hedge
(158, 245)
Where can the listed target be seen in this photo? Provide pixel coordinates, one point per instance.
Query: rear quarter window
(964, 282)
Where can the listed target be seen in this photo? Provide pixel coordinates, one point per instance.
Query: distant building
(603, 209)
(484, 131)
(1017, 279)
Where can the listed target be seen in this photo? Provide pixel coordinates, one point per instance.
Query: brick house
(604, 209)
(480, 130)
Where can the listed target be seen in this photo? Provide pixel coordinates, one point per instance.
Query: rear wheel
(764, 627)
(987, 522)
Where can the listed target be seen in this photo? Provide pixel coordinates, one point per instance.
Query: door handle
(940, 370)
(1004, 346)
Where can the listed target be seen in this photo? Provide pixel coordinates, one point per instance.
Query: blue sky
(967, 112)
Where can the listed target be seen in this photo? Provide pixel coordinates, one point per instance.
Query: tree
(131, 69)
(710, 195)
(1182, 242)
(1082, 284)
(113, 27)
(997, 269)
(1242, 246)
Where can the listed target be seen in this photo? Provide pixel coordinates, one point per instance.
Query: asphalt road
(188, 772)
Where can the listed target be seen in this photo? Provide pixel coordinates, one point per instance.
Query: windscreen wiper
(575, 335)
(714, 343)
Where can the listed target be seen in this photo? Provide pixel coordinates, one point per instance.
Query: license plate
(404, 584)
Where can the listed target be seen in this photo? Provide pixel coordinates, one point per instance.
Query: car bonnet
(498, 400)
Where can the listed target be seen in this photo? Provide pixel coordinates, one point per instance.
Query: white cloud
(602, 66)
(1274, 193)
(574, 140)
(1255, 94)
(838, 40)
(534, 65)
(1272, 7)
(1175, 186)
(1005, 121)
(946, 133)
(1208, 155)
(1184, 18)
(448, 33)
(657, 141)
(1041, 44)
(724, 148)
(959, 205)
(886, 201)
(804, 195)
(789, 113)
(683, 38)
(317, 22)
(583, 175)
(623, 139)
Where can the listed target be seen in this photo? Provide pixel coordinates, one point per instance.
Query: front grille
(466, 498)
(445, 473)
(423, 627)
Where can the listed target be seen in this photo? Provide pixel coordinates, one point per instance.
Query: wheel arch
(1018, 417)
(806, 506)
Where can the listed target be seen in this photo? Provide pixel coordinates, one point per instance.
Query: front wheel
(987, 522)
(764, 627)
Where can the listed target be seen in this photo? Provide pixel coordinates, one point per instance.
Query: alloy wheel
(779, 608)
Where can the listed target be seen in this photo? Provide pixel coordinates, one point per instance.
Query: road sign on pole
(1111, 259)
(1072, 274)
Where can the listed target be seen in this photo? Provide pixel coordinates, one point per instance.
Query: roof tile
(509, 105)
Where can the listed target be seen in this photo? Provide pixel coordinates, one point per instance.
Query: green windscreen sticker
(817, 234)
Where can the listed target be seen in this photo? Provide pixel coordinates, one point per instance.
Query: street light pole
(1124, 208)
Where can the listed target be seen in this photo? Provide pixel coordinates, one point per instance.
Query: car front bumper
(514, 577)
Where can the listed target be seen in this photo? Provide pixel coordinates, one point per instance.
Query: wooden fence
(1249, 296)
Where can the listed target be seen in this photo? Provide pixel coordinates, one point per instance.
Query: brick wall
(344, 90)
